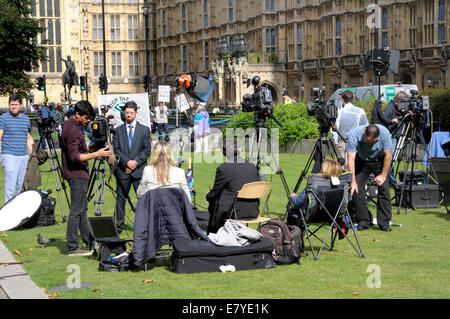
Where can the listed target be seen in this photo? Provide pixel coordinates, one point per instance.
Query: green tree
(19, 51)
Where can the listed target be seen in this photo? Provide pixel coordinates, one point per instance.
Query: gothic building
(291, 44)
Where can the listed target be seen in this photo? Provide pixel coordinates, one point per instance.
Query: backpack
(47, 212)
(298, 242)
(284, 252)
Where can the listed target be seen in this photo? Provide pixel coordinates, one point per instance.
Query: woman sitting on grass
(162, 172)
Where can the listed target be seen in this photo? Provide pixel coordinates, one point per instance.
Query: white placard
(164, 93)
(181, 102)
(116, 101)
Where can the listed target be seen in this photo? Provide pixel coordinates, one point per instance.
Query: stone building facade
(291, 44)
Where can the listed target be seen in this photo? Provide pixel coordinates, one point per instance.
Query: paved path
(14, 281)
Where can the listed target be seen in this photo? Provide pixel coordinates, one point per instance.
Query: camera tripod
(97, 183)
(411, 124)
(324, 146)
(55, 168)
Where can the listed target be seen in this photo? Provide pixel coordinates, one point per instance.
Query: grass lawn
(412, 261)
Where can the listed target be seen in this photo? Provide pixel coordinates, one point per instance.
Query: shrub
(439, 105)
(297, 125)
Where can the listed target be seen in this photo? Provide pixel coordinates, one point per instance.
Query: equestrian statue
(70, 77)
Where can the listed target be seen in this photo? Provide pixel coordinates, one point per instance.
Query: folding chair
(328, 199)
(254, 190)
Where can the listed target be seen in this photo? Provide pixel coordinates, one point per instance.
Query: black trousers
(123, 188)
(163, 128)
(77, 219)
(384, 209)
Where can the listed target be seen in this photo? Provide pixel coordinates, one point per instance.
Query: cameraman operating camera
(75, 169)
(392, 116)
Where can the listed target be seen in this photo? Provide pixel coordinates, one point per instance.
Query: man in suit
(132, 145)
(230, 177)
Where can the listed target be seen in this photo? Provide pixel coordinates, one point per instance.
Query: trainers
(80, 252)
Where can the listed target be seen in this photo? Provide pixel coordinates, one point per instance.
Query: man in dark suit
(230, 177)
(132, 146)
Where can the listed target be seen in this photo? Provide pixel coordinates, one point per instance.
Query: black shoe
(362, 227)
(385, 228)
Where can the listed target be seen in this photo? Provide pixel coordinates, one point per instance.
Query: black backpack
(284, 252)
(46, 212)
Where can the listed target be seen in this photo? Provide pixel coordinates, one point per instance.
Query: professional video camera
(260, 102)
(325, 113)
(414, 103)
(47, 117)
(102, 128)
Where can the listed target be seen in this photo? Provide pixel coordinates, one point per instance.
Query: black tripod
(97, 183)
(411, 155)
(324, 146)
(55, 167)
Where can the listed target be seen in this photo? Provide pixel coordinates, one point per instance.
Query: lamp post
(303, 91)
(239, 48)
(147, 78)
(103, 78)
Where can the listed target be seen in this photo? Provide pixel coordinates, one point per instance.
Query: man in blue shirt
(370, 151)
(17, 144)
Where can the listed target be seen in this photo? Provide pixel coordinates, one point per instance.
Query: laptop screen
(103, 227)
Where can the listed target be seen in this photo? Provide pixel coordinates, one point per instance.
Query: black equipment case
(192, 256)
(423, 196)
(417, 179)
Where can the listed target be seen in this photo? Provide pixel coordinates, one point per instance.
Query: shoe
(361, 228)
(385, 228)
(80, 252)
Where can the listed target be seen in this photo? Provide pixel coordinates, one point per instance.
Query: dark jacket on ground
(162, 216)
(230, 177)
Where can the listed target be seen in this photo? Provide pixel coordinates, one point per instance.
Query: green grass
(413, 259)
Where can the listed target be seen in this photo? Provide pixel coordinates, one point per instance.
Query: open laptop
(104, 230)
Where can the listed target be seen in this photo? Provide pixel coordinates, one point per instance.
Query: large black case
(423, 196)
(192, 256)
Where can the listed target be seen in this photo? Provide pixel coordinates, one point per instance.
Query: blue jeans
(15, 168)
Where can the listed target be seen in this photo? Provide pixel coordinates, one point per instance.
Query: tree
(19, 51)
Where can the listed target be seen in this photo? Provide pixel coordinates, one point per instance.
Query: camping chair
(254, 190)
(328, 199)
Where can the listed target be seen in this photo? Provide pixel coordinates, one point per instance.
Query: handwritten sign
(181, 102)
(164, 93)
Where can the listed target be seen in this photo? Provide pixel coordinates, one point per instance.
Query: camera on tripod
(102, 128)
(414, 103)
(260, 100)
(47, 118)
(325, 112)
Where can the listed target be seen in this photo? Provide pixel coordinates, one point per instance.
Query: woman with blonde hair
(329, 168)
(162, 172)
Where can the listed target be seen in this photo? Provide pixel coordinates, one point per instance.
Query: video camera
(260, 102)
(47, 118)
(102, 128)
(414, 103)
(325, 113)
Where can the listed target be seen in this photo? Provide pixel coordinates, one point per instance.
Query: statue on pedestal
(70, 77)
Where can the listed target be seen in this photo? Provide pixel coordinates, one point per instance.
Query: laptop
(104, 230)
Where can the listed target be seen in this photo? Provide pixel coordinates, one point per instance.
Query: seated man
(230, 177)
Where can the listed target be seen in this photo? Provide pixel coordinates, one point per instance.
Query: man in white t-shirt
(349, 117)
(161, 118)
